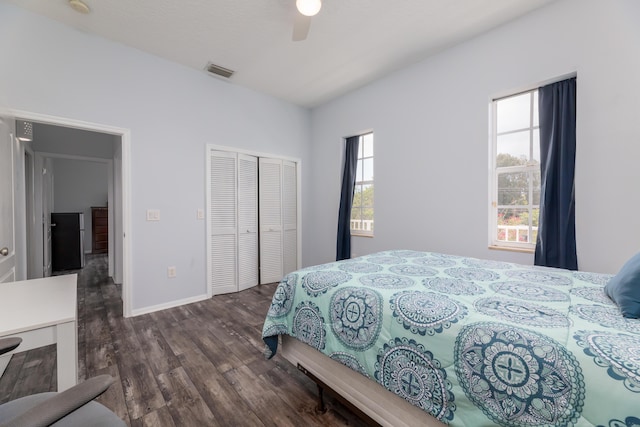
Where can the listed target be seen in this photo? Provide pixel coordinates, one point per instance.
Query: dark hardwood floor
(196, 365)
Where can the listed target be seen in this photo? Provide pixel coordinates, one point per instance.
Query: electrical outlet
(153, 214)
(200, 214)
(171, 272)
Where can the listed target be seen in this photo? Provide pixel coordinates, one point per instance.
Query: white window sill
(513, 249)
(360, 235)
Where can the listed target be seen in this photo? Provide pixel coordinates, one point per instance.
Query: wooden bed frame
(376, 402)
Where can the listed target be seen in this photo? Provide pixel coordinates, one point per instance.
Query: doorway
(66, 140)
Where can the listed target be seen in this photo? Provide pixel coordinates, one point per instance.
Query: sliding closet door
(247, 221)
(271, 247)
(290, 216)
(222, 222)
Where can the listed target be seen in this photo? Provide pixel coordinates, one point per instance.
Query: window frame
(363, 232)
(494, 172)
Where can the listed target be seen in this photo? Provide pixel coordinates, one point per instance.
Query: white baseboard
(171, 304)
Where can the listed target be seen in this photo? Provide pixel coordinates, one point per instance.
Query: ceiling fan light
(79, 6)
(308, 7)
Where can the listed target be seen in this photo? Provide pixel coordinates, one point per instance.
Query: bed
(420, 338)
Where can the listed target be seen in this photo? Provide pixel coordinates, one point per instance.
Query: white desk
(43, 312)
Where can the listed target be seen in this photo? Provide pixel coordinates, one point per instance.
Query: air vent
(218, 70)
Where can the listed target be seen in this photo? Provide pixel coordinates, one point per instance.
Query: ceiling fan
(302, 20)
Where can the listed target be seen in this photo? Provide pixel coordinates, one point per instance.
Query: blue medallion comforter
(470, 341)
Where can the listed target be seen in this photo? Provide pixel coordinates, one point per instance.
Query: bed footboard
(370, 398)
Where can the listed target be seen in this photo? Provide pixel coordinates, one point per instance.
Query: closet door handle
(4, 251)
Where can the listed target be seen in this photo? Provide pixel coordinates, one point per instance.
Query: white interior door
(117, 208)
(270, 190)
(7, 197)
(222, 222)
(247, 221)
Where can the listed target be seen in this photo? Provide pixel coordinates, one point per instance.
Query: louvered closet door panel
(290, 255)
(223, 264)
(290, 216)
(247, 261)
(270, 194)
(270, 200)
(247, 221)
(270, 257)
(223, 192)
(222, 222)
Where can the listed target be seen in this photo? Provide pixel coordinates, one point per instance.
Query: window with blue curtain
(556, 240)
(343, 244)
(356, 200)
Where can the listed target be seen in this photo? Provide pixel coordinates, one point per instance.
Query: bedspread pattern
(472, 342)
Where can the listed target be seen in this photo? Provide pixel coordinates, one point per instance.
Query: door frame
(124, 203)
(10, 268)
(43, 197)
(28, 158)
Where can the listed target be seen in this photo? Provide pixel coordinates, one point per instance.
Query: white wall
(430, 124)
(172, 113)
(78, 186)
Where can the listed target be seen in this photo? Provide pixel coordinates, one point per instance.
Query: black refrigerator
(67, 241)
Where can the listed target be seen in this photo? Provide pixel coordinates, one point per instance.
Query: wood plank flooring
(196, 365)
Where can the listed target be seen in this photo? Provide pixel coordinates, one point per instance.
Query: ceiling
(350, 43)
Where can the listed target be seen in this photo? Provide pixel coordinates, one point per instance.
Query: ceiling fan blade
(301, 24)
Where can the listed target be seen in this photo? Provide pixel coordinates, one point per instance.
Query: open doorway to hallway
(74, 179)
(73, 167)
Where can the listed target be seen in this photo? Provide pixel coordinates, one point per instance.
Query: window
(362, 208)
(515, 189)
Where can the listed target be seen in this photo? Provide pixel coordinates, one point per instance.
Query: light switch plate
(153, 214)
(200, 214)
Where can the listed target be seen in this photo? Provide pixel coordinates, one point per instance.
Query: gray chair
(70, 408)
